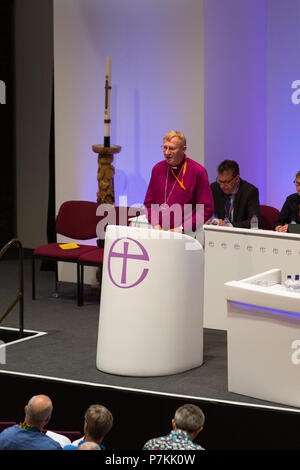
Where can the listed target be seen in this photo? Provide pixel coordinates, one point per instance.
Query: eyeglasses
(297, 183)
(165, 148)
(226, 183)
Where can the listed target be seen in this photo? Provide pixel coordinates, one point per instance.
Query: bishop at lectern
(179, 197)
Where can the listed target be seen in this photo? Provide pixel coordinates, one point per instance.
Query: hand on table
(281, 228)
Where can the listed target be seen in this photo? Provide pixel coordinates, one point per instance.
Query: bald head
(38, 411)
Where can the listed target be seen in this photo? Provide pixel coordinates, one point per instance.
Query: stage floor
(66, 344)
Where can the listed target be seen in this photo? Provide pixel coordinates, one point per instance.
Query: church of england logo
(123, 253)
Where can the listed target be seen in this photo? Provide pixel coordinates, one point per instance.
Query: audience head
(88, 446)
(38, 411)
(98, 422)
(189, 418)
(228, 176)
(174, 147)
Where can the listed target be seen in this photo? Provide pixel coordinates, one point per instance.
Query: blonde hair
(99, 421)
(178, 134)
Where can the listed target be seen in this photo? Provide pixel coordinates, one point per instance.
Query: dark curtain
(51, 218)
(8, 172)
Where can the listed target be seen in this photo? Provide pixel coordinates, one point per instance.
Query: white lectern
(151, 307)
(263, 338)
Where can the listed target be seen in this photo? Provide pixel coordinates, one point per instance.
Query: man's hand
(176, 229)
(223, 224)
(281, 228)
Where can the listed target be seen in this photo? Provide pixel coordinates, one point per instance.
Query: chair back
(268, 216)
(117, 215)
(77, 219)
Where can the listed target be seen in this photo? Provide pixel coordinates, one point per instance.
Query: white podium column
(151, 308)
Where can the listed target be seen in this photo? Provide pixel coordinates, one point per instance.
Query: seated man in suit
(235, 200)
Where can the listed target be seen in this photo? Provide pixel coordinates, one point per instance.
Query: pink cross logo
(125, 255)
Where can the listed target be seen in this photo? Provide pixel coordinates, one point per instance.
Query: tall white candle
(107, 98)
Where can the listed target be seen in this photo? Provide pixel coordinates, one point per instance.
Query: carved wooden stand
(106, 189)
(106, 172)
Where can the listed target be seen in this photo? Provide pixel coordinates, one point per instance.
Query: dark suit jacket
(246, 203)
(290, 210)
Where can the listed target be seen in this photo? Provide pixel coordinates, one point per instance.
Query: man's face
(173, 151)
(227, 181)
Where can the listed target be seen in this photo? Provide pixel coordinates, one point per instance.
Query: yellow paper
(69, 246)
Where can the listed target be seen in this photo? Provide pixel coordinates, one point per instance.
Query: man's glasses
(297, 183)
(165, 148)
(225, 183)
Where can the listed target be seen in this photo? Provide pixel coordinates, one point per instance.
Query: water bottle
(254, 222)
(289, 282)
(214, 220)
(293, 221)
(296, 283)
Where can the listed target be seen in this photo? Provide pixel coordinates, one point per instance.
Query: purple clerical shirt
(184, 206)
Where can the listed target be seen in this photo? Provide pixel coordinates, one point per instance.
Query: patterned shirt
(176, 440)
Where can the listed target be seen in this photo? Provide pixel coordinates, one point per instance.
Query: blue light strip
(272, 310)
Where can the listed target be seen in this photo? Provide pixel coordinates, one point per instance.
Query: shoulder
(155, 443)
(198, 447)
(292, 197)
(246, 184)
(150, 445)
(9, 431)
(162, 165)
(70, 447)
(196, 166)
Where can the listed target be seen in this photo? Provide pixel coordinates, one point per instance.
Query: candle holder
(106, 173)
(106, 189)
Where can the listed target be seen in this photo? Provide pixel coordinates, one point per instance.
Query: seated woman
(290, 210)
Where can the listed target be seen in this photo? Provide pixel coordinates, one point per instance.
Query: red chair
(268, 216)
(76, 220)
(121, 216)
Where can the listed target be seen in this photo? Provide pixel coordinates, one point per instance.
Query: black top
(246, 203)
(290, 210)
